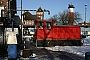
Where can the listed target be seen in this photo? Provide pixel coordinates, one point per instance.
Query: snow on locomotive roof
(58, 24)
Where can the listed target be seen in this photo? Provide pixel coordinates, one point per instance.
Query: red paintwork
(66, 32)
(69, 32)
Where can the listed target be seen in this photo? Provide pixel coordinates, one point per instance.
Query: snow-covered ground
(80, 50)
(86, 41)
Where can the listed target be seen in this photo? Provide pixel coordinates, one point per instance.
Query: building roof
(71, 6)
(83, 24)
(28, 16)
(39, 9)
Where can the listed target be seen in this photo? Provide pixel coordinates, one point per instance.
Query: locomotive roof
(66, 25)
(44, 20)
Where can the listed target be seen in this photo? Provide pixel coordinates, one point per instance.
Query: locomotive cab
(43, 31)
(44, 24)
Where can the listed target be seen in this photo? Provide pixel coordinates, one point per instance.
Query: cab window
(41, 25)
(48, 25)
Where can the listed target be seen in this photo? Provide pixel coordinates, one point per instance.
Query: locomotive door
(48, 31)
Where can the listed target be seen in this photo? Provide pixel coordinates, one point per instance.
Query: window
(41, 25)
(28, 31)
(31, 31)
(24, 22)
(39, 17)
(48, 25)
(25, 32)
(32, 22)
(84, 32)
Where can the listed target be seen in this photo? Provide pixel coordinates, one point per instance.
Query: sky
(56, 6)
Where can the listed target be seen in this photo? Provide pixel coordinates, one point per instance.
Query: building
(40, 14)
(29, 24)
(71, 14)
(85, 28)
(28, 18)
(4, 4)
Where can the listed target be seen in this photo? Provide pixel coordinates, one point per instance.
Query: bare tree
(77, 17)
(55, 18)
(63, 18)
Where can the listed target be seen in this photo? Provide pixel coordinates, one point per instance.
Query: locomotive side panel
(40, 34)
(55, 33)
(75, 33)
(66, 33)
(61, 34)
(48, 34)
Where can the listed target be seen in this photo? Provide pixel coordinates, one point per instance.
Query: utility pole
(85, 18)
(85, 12)
(21, 23)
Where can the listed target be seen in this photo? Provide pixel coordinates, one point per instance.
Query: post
(21, 23)
(36, 42)
(12, 25)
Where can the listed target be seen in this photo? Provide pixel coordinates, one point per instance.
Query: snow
(80, 50)
(86, 41)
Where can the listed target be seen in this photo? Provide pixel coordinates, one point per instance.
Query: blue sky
(56, 6)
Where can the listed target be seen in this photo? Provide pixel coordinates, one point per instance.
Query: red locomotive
(48, 34)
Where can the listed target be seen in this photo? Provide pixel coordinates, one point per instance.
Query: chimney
(71, 14)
